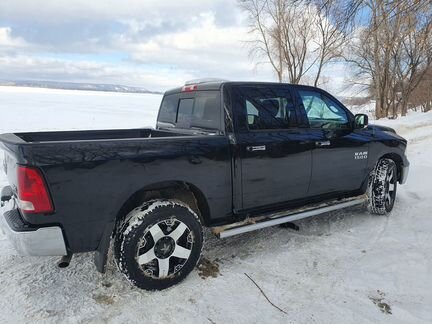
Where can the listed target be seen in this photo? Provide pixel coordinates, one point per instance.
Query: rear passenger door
(339, 158)
(274, 153)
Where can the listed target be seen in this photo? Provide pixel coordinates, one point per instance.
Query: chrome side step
(252, 224)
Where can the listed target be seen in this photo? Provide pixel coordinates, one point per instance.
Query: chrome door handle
(322, 143)
(256, 148)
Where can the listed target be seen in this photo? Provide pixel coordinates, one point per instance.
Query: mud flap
(6, 195)
(101, 254)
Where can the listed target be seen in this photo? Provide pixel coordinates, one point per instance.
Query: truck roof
(217, 84)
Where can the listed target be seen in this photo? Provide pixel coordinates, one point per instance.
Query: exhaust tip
(64, 261)
(63, 264)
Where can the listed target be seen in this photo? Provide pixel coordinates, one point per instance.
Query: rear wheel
(159, 244)
(382, 187)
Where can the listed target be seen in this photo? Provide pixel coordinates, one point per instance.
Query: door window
(322, 112)
(268, 108)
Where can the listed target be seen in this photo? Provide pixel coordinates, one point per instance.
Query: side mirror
(251, 119)
(360, 121)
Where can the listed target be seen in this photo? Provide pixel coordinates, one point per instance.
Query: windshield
(196, 110)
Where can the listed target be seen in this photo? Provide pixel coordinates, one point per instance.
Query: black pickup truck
(232, 156)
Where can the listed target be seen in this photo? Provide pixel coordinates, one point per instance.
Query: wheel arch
(179, 190)
(397, 159)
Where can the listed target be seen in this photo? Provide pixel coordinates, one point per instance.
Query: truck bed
(87, 135)
(91, 174)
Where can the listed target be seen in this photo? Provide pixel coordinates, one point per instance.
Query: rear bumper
(404, 174)
(28, 240)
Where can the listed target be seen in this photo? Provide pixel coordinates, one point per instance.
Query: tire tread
(376, 187)
(127, 228)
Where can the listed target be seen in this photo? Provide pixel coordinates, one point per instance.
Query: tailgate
(10, 169)
(10, 158)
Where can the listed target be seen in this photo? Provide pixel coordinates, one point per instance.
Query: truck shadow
(272, 239)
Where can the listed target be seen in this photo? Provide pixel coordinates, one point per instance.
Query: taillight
(33, 196)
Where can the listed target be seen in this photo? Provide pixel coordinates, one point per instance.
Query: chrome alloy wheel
(164, 248)
(390, 188)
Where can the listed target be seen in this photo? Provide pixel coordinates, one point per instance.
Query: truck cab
(289, 143)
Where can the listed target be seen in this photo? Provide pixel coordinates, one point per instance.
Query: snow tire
(158, 244)
(382, 187)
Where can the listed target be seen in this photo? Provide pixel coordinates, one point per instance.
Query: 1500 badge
(360, 155)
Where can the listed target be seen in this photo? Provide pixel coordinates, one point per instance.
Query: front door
(339, 159)
(274, 153)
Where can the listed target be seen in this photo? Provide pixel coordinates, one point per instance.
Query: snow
(367, 108)
(342, 267)
(38, 109)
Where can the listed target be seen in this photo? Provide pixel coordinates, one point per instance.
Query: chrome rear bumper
(43, 241)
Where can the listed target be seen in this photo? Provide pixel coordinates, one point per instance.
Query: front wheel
(158, 244)
(382, 187)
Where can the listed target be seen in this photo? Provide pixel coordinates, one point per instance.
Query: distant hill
(76, 86)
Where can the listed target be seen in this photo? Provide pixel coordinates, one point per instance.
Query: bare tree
(297, 37)
(267, 40)
(415, 53)
(421, 96)
(333, 27)
(297, 40)
(392, 50)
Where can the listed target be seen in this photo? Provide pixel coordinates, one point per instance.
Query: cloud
(203, 48)
(82, 26)
(152, 43)
(160, 44)
(64, 11)
(40, 68)
(8, 41)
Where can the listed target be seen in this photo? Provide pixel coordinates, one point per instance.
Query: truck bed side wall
(89, 182)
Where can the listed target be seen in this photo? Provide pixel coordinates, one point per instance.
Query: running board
(252, 224)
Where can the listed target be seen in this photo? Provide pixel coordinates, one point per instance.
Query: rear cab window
(194, 110)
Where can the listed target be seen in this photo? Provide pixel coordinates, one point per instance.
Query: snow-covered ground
(343, 267)
(23, 109)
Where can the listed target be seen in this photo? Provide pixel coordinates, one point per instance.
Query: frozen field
(48, 109)
(343, 267)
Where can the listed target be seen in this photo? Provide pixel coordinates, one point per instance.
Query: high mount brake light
(190, 88)
(33, 196)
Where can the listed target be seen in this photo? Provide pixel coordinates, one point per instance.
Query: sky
(147, 43)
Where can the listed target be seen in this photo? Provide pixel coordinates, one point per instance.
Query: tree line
(386, 43)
